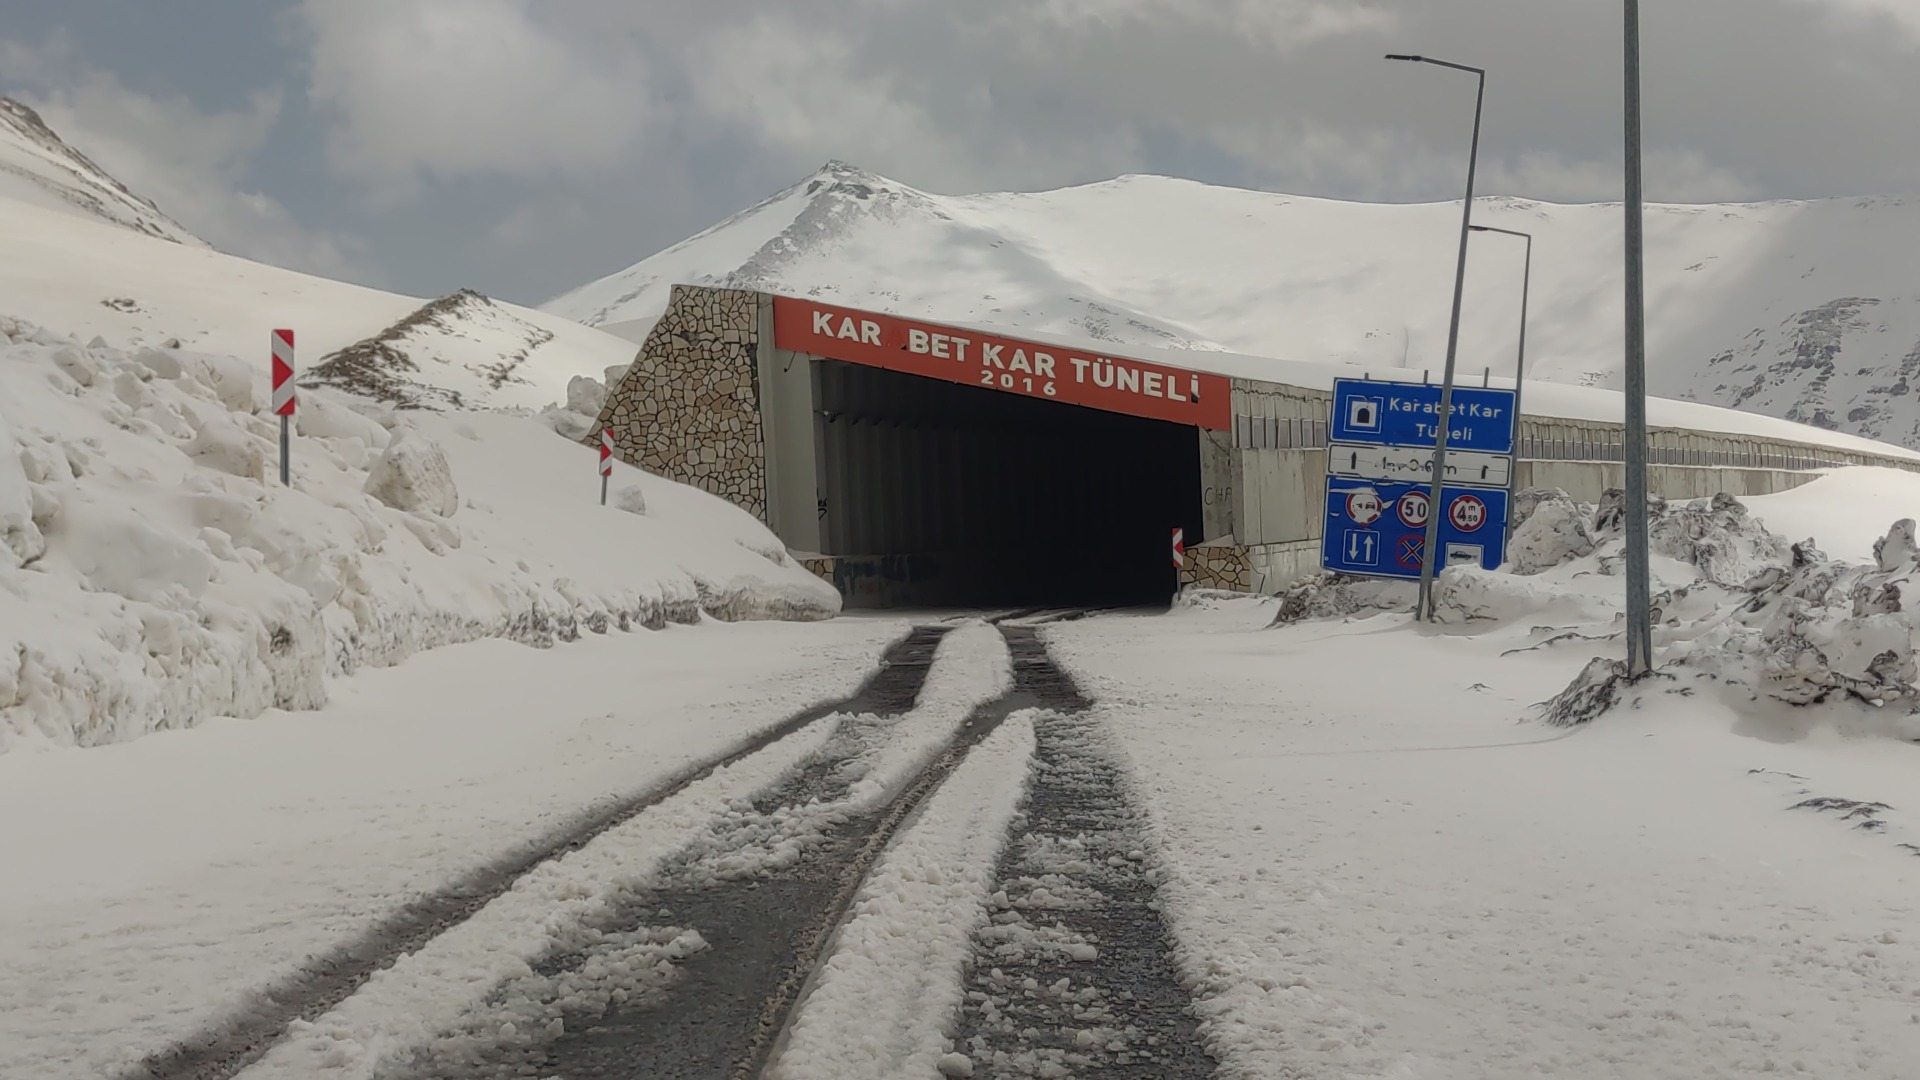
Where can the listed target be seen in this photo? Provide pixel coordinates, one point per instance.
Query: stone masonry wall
(1218, 566)
(689, 407)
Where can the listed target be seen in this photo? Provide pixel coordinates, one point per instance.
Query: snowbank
(154, 576)
(1739, 612)
(1847, 510)
(1373, 872)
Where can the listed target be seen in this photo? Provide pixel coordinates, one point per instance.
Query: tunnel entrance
(937, 493)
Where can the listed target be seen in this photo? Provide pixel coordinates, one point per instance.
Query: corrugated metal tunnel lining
(998, 499)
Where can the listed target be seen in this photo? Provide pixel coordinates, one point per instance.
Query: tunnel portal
(944, 494)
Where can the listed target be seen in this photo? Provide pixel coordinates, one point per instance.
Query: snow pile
(413, 476)
(1562, 556)
(575, 417)
(1549, 529)
(1327, 595)
(1739, 611)
(1815, 631)
(154, 576)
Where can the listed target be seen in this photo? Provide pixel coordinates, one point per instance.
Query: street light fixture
(1445, 418)
(1519, 365)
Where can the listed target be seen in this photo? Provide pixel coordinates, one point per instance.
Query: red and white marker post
(1179, 558)
(283, 397)
(606, 462)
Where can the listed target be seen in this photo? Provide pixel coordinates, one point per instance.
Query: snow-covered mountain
(38, 167)
(1805, 310)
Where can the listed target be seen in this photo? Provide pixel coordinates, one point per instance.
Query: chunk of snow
(413, 475)
(1553, 530)
(223, 445)
(20, 539)
(78, 365)
(630, 498)
(586, 395)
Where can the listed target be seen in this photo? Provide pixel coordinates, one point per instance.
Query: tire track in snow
(762, 898)
(229, 1046)
(1073, 976)
(697, 978)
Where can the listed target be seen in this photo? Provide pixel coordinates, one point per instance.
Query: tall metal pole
(1445, 420)
(1639, 624)
(1519, 364)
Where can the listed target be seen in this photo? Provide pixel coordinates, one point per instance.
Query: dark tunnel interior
(954, 495)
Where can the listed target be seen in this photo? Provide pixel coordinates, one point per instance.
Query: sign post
(1179, 557)
(283, 398)
(1381, 458)
(606, 462)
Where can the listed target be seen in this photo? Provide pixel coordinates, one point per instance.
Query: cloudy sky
(526, 146)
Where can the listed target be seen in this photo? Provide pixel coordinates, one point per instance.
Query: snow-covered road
(149, 887)
(1375, 871)
(1368, 862)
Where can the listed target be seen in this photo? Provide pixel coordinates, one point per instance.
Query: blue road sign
(1407, 414)
(1379, 529)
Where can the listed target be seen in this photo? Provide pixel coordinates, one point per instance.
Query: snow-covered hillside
(1805, 310)
(154, 573)
(95, 280)
(38, 167)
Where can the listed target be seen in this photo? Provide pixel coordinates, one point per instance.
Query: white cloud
(447, 88)
(595, 128)
(1903, 14)
(189, 162)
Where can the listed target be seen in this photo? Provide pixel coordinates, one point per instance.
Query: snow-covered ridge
(459, 351)
(1799, 310)
(91, 280)
(37, 166)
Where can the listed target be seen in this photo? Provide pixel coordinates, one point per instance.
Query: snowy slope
(92, 280)
(154, 573)
(37, 167)
(1806, 310)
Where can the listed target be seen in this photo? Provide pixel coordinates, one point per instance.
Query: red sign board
(1010, 365)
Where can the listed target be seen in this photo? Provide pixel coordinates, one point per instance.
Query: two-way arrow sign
(1360, 547)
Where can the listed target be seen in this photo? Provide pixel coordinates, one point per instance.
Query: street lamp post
(1519, 365)
(1639, 601)
(1445, 419)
